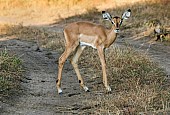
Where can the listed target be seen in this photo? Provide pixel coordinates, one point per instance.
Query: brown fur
(94, 35)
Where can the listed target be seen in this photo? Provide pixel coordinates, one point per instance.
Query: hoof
(108, 89)
(60, 91)
(86, 89)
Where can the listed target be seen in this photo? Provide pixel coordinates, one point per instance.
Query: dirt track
(39, 95)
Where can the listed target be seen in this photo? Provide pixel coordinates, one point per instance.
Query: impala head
(116, 21)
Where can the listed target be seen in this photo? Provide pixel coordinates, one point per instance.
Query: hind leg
(75, 65)
(62, 60)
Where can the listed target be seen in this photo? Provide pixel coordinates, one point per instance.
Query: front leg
(103, 62)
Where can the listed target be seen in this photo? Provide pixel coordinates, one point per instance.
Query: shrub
(10, 71)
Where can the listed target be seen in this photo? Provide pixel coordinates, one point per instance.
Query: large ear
(126, 14)
(107, 16)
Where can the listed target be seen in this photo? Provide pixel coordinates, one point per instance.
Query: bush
(10, 71)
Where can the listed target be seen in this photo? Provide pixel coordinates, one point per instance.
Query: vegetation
(10, 72)
(42, 37)
(139, 84)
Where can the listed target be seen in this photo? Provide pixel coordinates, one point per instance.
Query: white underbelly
(87, 44)
(87, 40)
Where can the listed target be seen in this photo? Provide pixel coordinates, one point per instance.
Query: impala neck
(111, 37)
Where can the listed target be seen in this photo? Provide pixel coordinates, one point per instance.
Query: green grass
(10, 72)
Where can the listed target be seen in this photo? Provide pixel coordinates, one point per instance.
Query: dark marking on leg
(79, 81)
(57, 81)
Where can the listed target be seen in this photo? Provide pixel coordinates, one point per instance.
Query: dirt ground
(39, 94)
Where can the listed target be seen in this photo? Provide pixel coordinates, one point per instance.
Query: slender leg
(62, 60)
(103, 62)
(75, 65)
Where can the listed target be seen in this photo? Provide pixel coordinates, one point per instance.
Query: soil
(38, 93)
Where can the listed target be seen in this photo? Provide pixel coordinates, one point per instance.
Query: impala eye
(113, 22)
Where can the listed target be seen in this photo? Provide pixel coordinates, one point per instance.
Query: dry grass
(146, 17)
(28, 11)
(42, 37)
(139, 84)
(144, 13)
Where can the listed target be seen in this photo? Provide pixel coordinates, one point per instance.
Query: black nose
(117, 30)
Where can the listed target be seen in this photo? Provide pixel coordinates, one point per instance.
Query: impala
(78, 35)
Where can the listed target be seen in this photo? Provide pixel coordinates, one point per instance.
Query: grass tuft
(139, 85)
(10, 72)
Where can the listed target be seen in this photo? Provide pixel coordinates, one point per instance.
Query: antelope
(78, 35)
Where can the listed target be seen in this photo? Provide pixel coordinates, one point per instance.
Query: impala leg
(62, 60)
(75, 65)
(103, 63)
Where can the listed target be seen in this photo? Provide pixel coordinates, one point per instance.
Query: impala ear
(107, 16)
(126, 14)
